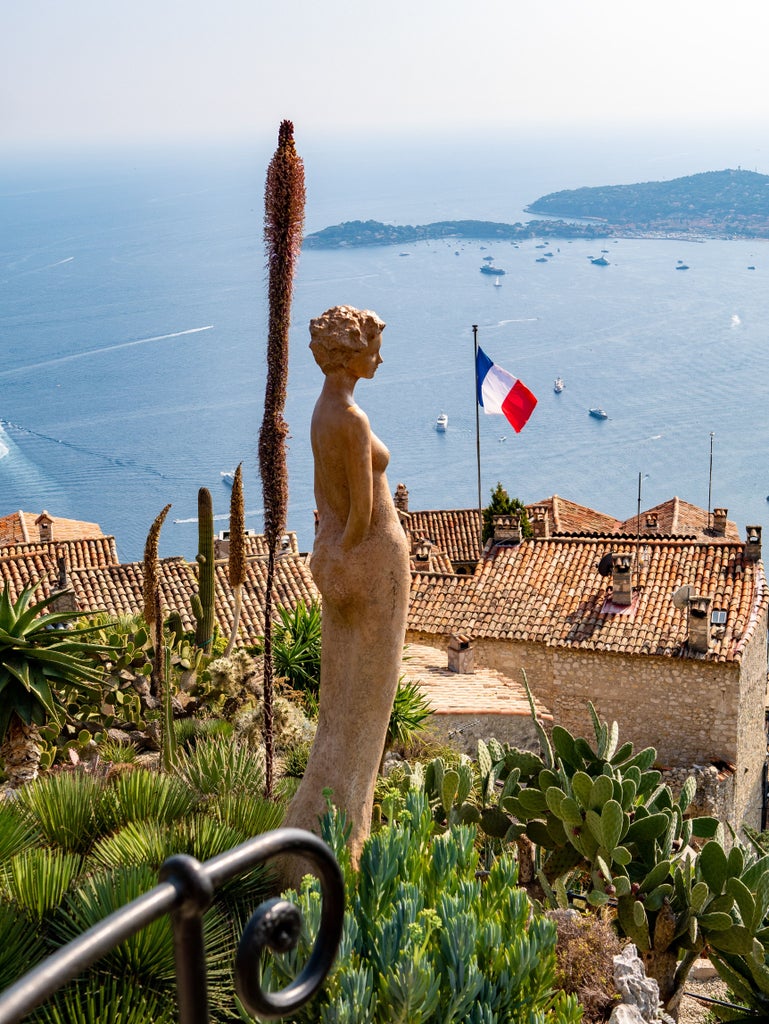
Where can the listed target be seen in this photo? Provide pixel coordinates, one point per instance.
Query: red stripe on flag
(518, 406)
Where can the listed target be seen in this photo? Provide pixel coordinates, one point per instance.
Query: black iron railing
(185, 892)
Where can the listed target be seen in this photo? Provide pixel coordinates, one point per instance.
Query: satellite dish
(606, 564)
(681, 596)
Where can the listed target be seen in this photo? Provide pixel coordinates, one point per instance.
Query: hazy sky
(104, 70)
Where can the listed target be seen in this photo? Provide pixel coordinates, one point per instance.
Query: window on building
(718, 617)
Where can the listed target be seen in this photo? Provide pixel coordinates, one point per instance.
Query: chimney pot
(44, 524)
(699, 623)
(401, 498)
(461, 654)
(540, 522)
(719, 521)
(652, 522)
(621, 579)
(752, 550)
(507, 528)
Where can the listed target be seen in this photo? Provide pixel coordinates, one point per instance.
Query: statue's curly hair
(341, 331)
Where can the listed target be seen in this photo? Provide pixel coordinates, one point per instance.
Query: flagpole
(710, 480)
(477, 434)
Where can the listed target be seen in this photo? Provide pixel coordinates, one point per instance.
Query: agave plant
(296, 646)
(41, 663)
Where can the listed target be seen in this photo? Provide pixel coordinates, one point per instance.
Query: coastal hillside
(373, 232)
(721, 203)
(715, 204)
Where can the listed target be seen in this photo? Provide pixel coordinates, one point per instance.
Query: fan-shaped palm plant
(69, 810)
(40, 660)
(107, 999)
(20, 945)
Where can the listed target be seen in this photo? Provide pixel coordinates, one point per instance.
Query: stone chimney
(44, 524)
(699, 623)
(421, 549)
(64, 599)
(401, 498)
(652, 522)
(461, 654)
(719, 521)
(507, 529)
(752, 550)
(540, 522)
(622, 579)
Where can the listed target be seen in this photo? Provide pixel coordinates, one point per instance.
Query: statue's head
(340, 333)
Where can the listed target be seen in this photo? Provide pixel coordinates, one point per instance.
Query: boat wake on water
(114, 460)
(220, 517)
(58, 360)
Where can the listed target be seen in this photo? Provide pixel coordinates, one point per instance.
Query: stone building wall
(463, 731)
(692, 711)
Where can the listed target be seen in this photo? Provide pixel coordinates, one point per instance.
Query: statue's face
(365, 362)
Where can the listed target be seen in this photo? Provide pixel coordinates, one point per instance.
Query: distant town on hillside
(714, 204)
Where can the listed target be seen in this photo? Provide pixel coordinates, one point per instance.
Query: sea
(133, 322)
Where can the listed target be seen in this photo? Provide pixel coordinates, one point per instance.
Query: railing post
(188, 877)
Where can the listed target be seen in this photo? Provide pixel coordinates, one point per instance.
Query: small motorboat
(442, 423)
(598, 414)
(558, 385)
(228, 478)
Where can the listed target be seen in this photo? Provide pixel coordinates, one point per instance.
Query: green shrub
(425, 940)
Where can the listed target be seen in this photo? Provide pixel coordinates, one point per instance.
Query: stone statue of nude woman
(360, 563)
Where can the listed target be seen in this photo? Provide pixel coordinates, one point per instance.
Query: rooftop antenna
(638, 536)
(710, 481)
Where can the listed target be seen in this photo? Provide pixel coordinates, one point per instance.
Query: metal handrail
(185, 892)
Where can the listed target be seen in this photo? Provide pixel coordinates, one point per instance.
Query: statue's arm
(357, 459)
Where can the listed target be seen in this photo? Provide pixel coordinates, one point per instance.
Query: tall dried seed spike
(151, 566)
(236, 565)
(283, 220)
(284, 197)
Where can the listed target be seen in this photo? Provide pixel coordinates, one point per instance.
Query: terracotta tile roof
(437, 561)
(22, 527)
(256, 544)
(482, 692)
(24, 563)
(117, 589)
(454, 531)
(550, 592)
(677, 518)
(569, 517)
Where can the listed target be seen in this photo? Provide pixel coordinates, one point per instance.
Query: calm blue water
(132, 324)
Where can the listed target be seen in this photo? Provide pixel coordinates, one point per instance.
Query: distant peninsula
(714, 204)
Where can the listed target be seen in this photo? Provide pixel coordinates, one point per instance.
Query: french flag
(500, 392)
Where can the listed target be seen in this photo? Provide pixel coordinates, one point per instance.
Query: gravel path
(692, 1010)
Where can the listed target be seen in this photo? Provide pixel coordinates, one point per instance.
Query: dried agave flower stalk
(151, 567)
(284, 196)
(236, 566)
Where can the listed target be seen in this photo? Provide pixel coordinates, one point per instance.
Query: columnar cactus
(203, 601)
